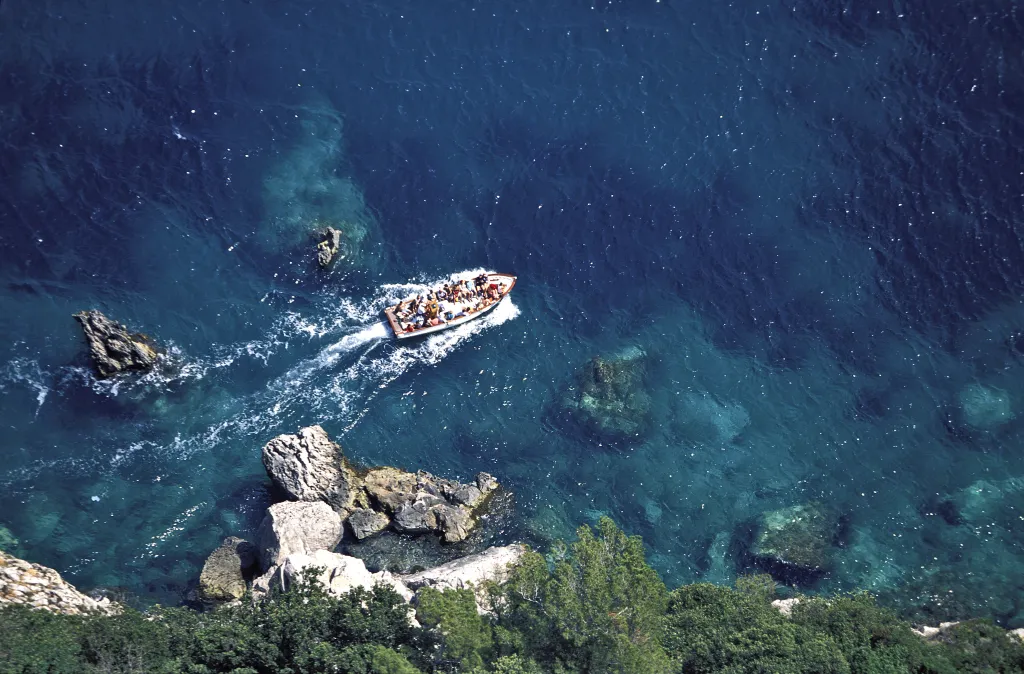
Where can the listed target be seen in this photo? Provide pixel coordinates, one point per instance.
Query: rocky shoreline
(40, 587)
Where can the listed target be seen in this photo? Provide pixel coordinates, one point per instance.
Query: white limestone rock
(297, 527)
(472, 572)
(340, 573)
(41, 587)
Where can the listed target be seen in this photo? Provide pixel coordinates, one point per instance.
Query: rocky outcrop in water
(328, 247)
(309, 467)
(327, 491)
(610, 398)
(227, 571)
(795, 544)
(297, 527)
(113, 349)
(40, 587)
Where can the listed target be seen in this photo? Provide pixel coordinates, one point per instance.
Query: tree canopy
(593, 606)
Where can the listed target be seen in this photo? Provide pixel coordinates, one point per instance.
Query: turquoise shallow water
(807, 218)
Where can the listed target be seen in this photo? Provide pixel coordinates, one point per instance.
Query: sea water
(806, 217)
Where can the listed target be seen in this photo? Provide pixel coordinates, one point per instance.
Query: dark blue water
(808, 217)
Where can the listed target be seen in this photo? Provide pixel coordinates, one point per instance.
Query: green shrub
(33, 641)
(466, 636)
(593, 607)
(599, 609)
(977, 646)
(710, 628)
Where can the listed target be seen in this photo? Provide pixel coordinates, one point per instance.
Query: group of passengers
(452, 300)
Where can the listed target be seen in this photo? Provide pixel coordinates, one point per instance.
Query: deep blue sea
(807, 215)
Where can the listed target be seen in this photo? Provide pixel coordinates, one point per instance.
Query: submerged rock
(226, 571)
(297, 527)
(796, 543)
(328, 247)
(611, 399)
(308, 466)
(8, 543)
(304, 192)
(985, 408)
(113, 348)
(40, 587)
(984, 502)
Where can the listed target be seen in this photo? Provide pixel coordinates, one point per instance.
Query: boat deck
(470, 310)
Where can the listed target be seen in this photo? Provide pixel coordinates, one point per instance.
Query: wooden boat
(463, 312)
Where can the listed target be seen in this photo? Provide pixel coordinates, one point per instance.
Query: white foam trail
(28, 373)
(355, 340)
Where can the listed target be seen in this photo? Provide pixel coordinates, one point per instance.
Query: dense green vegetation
(594, 606)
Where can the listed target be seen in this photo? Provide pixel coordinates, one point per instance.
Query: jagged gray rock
(226, 571)
(329, 246)
(420, 502)
(292, 527)
(308, 466)
(417, 515)
(366, 522)
(113, 348)
(453, 523)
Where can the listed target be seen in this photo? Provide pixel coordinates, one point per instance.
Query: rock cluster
(308, 466)
(22, 582)
(328, 247)
(325, 491)
(113, 348)
(611, 399)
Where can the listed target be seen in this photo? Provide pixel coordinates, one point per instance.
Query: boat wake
(347, 357)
